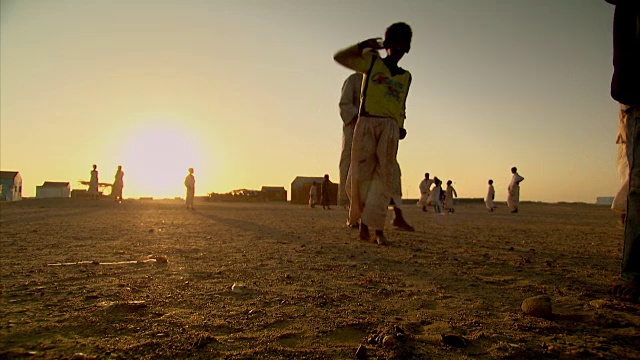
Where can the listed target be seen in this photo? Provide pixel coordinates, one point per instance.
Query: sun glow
(155, 161)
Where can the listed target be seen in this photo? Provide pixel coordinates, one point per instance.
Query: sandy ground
(306, 288)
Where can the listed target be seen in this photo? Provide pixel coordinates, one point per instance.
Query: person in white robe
(349, 107)
(93, 182)
(513, 196)
(619, 204)
(425, 186)
(313, 195)
(491, 194)
(118, 185)
(434, 195)
(190, 184)
(450, 194)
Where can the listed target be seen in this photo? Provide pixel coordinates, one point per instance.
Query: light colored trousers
(345, 161)
(370, 178)
(190, 195)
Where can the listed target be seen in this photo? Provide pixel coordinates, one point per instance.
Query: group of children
(435, 196)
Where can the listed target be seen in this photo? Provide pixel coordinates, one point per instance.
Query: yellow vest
(383, 94)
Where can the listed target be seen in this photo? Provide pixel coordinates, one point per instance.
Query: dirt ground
(87, 276)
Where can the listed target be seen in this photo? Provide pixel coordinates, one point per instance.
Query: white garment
(513, 198)
(93, 183)
(313, 195)
(349, 107)
(620, 200)
(488, 200)
(425, 184)
(434, 196)
(448, 201)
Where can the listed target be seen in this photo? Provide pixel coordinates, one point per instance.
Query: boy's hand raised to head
(373, 43)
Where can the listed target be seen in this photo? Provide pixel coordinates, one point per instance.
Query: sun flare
(155, 161)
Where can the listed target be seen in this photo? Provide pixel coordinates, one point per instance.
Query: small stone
(161, 259)
(361, 353)
(78, 356)
(538, 306)
(598, 304)
(389, 341)
(238, 288)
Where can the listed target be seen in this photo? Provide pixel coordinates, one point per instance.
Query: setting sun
(155, 160)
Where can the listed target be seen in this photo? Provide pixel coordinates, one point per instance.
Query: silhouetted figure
(450, 194)
(190, 184)
(118, 184)
(93, 183)
(491, 194)
(313, 195)
(379, 126)
(625, 89)
(513, 197)
(325, 190)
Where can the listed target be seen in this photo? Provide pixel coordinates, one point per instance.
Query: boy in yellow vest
(379, 125)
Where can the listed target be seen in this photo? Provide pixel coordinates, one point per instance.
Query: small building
(604, 200)
(53, 189)
(273, 193)
(10, 186)
(301, 185)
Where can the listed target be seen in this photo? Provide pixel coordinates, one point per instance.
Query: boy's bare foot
(628, 290)
(364, 232)
(380, 238)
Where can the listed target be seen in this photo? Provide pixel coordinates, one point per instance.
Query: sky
(246, 92)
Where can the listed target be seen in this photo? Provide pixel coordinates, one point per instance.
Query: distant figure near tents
(118, 184)
(190, 184)
(325, 186)
(93, 183)
(313, 195)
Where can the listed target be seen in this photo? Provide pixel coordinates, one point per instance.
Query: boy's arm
(403, 115)
(353, 57)
(350, 99)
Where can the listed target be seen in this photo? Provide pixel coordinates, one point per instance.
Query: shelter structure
(10, 186)
(273, 193)
(53, 189)
(301, 185)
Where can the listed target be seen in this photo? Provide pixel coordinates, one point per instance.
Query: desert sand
(149, 279)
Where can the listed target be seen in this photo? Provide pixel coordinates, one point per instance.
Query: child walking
(491, 194)
(451, 193)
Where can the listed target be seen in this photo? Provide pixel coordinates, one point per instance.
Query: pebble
(598, 304)
(389, 341)
(538, 306)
